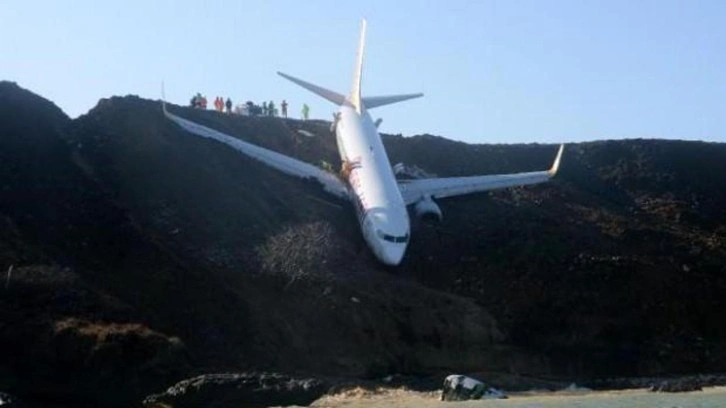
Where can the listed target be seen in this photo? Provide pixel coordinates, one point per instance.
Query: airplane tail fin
(369, 102)
(355, 93)
(355, 99)
(334, 97)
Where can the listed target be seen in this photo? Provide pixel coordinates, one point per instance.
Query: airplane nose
(392, 254)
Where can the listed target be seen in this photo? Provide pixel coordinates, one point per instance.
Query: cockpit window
(391, 238)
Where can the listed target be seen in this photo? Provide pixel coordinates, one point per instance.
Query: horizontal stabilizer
(371, 102)
(334, 97)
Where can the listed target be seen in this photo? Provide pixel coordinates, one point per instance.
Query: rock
(678, 385)
(573, 387)
(6, 399)
(240, 390)
(461, 388)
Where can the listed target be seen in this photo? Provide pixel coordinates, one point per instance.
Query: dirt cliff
(151, 254)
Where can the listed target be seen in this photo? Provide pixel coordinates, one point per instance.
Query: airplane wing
(414, 190)
(331, 183)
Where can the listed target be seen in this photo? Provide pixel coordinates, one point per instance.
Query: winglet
(163, 98)
(556, 165)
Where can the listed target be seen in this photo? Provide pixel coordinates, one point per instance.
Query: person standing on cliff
(305, 111)
(271, 107)
(283, 105)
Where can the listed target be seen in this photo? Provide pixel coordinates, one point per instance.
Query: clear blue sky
(492, 71)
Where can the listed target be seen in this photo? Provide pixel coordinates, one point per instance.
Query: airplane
(367, 178)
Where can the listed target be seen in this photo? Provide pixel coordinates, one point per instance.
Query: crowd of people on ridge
(199, 101)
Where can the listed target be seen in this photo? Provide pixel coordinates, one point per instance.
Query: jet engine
(427, 210)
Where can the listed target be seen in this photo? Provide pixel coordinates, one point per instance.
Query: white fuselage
(372, 186)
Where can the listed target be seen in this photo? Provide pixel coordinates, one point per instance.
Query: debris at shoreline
(461, 388)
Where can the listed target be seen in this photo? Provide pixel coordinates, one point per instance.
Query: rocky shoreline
(263, 389)
(231, 390)
(683, 383)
